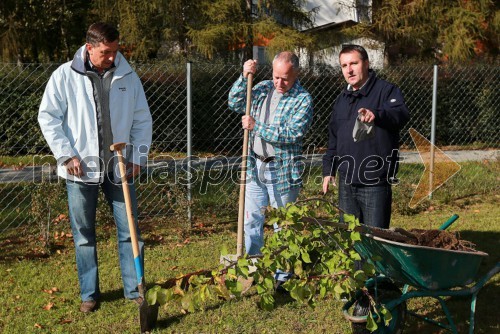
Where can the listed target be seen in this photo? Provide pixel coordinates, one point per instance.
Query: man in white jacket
(89, 103)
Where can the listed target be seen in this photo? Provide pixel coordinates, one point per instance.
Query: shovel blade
(148, 315)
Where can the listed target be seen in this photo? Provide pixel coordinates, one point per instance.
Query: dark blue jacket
(372, 161)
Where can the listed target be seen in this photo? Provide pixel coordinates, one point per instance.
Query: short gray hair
(288, 56)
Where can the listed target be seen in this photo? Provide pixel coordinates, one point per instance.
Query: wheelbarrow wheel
(386, 291)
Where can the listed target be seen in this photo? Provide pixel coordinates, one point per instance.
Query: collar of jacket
(78, 63)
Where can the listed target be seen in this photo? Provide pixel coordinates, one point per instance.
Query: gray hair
(289, 57)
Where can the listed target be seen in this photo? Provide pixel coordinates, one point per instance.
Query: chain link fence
(467, 112)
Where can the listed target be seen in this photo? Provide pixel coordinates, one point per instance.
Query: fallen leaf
(65, 321)
(38, 326)
(48, 306)
(174, 267)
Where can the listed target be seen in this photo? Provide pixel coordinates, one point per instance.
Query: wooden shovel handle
(243, 175)
(118, 147)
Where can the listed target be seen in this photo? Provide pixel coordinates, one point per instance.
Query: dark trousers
(370, 204)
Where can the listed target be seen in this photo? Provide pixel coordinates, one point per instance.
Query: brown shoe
(88, 306)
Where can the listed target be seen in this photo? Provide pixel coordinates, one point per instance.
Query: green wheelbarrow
(424, 272)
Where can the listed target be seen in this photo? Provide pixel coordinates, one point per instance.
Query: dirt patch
(435, 238)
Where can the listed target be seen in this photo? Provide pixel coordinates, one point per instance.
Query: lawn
(39, 291)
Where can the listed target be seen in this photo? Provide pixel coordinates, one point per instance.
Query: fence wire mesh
(467, 114)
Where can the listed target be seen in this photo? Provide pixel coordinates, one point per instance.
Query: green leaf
(151, 296)
(187, 303)
(350, 220)
(322, 291)
(298, 293)
(222, 292)
(272, 221)
(243, 266)
(269, 283)
(163, 296)
(354, 255)
(360, 275)
(355, 236)
(266, 302)
(224, 250)
(286, 254)
(261, 289)
(338, 289)
(371, 325)
(297, 268)
(294, 248)
(305, 257)
(386, 315)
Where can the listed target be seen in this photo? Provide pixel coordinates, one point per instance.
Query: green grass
(29, 274)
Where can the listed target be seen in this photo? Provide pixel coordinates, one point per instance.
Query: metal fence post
(189, 139)
(433, 129)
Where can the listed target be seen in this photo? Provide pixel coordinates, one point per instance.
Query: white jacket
(68, 119)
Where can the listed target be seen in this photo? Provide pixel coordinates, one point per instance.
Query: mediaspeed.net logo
(215, 171)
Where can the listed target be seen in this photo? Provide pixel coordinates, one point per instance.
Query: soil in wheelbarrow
(434, 238)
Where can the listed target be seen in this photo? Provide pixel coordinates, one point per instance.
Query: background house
(331, 16)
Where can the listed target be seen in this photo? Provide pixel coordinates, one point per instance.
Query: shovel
(241, 208)
(148, 314)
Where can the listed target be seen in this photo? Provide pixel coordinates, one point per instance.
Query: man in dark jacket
(363, 140)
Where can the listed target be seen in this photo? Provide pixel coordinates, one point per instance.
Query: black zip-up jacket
(372, 161)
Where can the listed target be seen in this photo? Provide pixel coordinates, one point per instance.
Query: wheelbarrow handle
(448, 223)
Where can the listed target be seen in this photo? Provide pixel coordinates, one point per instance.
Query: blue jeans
(259, 194)
(370, 204)
(82, 200)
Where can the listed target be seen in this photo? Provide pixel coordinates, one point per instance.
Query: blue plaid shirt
(286, 132)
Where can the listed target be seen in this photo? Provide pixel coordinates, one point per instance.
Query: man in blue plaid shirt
(279, 119)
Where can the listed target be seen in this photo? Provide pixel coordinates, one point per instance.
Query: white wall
(331, 11)
(330, 56)
(338, 11)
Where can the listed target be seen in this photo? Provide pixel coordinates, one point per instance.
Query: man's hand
(247, 122)
(133, 170)
(74, 167)
(366, 115)
(326, 181)
(250, 66)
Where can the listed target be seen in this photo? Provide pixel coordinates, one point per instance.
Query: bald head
(287, 57)
(285, 71)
